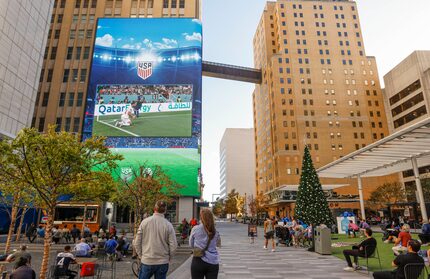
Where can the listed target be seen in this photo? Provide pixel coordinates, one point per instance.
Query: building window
(181, 4)
(57, 34)
(58, 124)
(71, 99)
(80, 34)
(49, 77)
(72, 34)
(53, 52)
(41, 124)
(76, 121)
(66, 75)
(89, 34)
(80, 99)
(83, 75)
(45, 99)
(75, 75)
(86, 2)
(78, 4)
(86, 52)
(60, 18)
(93, 4)
(62, 99)
(69, 53)
(67, 124)
(78, 53)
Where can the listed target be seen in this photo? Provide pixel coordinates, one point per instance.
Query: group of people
(406, 250)
(155, 243)
(296, 232)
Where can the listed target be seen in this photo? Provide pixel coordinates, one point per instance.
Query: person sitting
(401, 261)
(21, 253)
(425, 233)
(365, 248)
(352, 228)
(391, 234)
(363, 226)
(82, 249)
(56, 235)
(110, 246)
(40, 231)
(22, 269)
(400, 245)
(62, 262)
(75, 232)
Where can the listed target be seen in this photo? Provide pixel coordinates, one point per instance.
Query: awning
(325, 187)
(386, 156)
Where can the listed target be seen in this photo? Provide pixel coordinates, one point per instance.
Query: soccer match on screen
(143, 110)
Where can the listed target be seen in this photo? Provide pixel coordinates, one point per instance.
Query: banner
(117, 109)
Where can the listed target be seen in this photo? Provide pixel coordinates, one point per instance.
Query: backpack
(88, 269)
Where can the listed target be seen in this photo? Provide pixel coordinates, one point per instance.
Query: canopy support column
(360, 193)
(419, 189)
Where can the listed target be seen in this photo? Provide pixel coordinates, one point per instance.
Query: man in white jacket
(155, 244)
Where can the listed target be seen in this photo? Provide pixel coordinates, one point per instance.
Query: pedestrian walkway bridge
(225, 71)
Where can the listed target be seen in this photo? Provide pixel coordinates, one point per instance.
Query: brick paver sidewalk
(239, 259)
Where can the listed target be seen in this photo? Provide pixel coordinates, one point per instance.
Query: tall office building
(63, 81)
(24, 25)
(319, 89)
(237, 162)
(407, 99)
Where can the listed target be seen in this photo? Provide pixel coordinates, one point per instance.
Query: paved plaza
(239, 259)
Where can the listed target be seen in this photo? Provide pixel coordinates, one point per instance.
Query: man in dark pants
(365, 248)
(425, 235)
(401, 261)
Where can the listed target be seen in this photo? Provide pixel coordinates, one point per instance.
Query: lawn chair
(373, 255)
(415, 271)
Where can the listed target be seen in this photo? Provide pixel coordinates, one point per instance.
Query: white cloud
(194, 37)
(105, 41)
(119, 40)
(166, 43)
(132, 46)
(196, 20)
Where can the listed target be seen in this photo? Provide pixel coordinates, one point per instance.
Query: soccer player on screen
(126, 118)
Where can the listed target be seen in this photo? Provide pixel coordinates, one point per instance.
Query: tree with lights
(311, 203)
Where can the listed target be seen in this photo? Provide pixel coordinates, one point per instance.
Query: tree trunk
(11, 227)
(21, 221)
(130, 224)
(83, 220)
(47, 243)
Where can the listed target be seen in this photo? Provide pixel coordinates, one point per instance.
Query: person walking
(269, 233)
(31, 233)
(155, 244)
(204, 240)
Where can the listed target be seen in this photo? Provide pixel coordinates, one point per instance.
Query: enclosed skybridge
(224, 71)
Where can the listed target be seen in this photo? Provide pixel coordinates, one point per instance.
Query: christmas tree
(311, 203)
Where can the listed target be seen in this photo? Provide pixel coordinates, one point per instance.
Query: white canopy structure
(406, 149)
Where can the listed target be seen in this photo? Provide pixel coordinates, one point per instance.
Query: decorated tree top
(311, 203)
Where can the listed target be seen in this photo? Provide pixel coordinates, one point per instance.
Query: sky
(392, 29)
(162, 34)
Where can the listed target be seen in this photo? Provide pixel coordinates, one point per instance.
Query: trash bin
(322, 240)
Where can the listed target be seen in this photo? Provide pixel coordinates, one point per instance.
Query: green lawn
(385, 252)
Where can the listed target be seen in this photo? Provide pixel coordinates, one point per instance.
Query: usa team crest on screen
(144, 69)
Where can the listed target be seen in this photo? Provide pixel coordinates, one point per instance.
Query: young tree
(311, 203)
(141, 187)
(257, 204)
(386, 193)
(54, 165)
(231, 203)
(218, 208)
(14, 198)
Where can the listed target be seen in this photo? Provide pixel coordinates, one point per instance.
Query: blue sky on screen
(148, 34)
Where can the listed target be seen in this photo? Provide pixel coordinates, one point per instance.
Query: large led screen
(144, 93)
